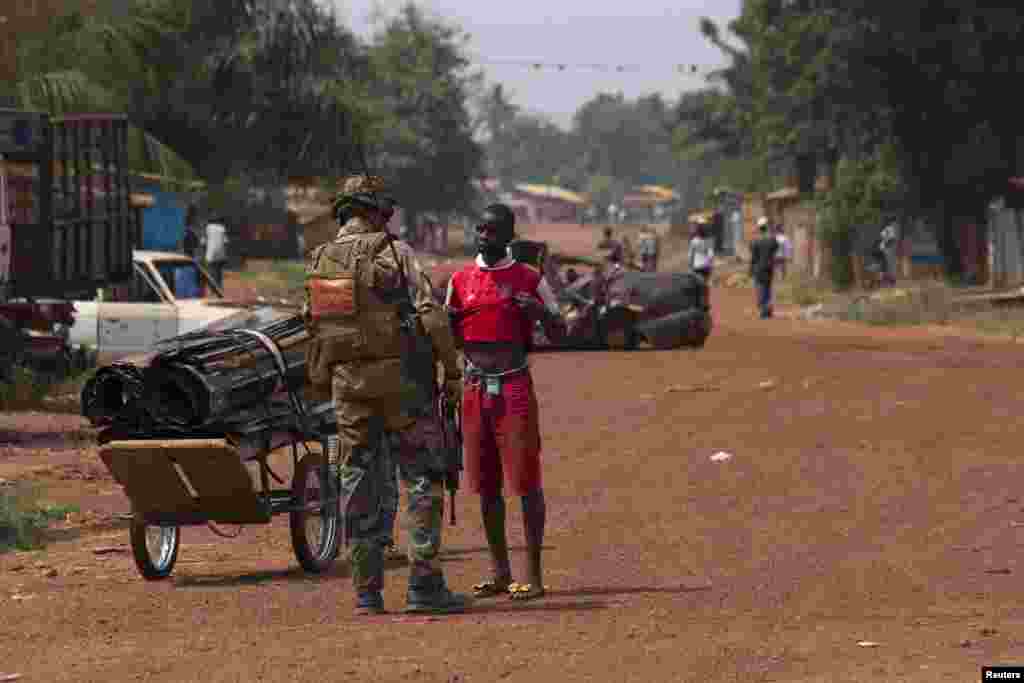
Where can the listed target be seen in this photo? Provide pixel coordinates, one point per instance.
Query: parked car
(169, 295)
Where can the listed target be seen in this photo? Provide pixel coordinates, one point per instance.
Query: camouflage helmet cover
(363, 184)
(367, 191)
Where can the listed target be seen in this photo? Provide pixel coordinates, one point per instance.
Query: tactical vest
(351, 319)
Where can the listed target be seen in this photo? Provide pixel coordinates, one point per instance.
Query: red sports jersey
(484, 298)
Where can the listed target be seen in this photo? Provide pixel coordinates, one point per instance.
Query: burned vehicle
(622, 309)
(617, 308)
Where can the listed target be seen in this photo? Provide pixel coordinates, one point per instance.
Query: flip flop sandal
(490, 589)
(526, 591)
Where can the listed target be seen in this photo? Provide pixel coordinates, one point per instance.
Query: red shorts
(501, 437)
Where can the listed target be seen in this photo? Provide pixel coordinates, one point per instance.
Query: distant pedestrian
(762, 266)
(785, 253)
(190, 239)
(216, 249)
(427, 234)
(647, 244)
(702, 253)
(889, 241)
(611, 247)
(441, 237)
(628, 259)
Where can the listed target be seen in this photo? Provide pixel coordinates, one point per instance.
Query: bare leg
(534, 518)
(492, 509)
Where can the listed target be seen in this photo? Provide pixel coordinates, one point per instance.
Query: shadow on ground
(456, 552)
(339, 570)
(628, 590)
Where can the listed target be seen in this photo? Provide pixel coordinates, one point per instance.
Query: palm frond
(146, 154)
(64, 92)
(72, 92)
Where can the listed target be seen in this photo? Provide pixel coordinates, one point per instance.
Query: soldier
(494, 304)
(355, 290)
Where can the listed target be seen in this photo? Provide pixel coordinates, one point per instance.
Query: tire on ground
(686, 328)
(315, 557)
(618, 329)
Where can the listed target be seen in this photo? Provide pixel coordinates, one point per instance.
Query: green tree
(532, 149)
(423, 132)
(626, 139)
(866, 192)
(496, 112)
(821, 80)
(80, 66)
(250, 70)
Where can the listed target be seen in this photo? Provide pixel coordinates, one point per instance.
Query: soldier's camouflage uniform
(390, 496)
(361, 362)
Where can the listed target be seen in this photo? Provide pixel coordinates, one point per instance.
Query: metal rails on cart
(188, 432)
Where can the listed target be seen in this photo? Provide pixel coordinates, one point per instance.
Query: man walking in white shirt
(702, 253)
(216, 249)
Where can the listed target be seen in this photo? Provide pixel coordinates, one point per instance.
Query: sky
(649, 38)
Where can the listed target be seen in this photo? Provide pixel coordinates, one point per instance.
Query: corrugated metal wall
(1006, 247)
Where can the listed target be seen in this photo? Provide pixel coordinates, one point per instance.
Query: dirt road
(874, 493)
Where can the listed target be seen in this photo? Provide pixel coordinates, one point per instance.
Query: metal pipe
(203, 378)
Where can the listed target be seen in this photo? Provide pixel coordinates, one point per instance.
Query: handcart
(219, 473)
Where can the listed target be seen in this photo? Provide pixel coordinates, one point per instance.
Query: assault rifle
(451, 431)
(419, 370)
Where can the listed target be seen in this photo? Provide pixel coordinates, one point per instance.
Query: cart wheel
(155, 548)
(314, 524)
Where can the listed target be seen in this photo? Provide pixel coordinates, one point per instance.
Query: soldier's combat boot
(367, 576)
(369, 602)
(430, 595)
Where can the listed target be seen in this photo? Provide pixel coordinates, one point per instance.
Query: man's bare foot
(492, 588)
(526, 591)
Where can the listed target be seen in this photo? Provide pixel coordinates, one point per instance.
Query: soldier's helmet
(363, 191)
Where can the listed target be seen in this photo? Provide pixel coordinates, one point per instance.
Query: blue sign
(22, 133)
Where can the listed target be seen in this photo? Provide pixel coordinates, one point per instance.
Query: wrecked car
(617, 308)
(170, 295)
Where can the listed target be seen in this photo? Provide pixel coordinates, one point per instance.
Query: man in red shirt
(494, 305)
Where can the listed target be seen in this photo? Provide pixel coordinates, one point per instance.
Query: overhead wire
(687, 69)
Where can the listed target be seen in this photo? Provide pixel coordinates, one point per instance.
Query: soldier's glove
(453, 389)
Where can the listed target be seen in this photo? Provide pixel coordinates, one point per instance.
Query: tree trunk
(806, 172)
(832, 157)
(944, 222)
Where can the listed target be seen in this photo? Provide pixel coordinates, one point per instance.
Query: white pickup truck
(169, 295)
